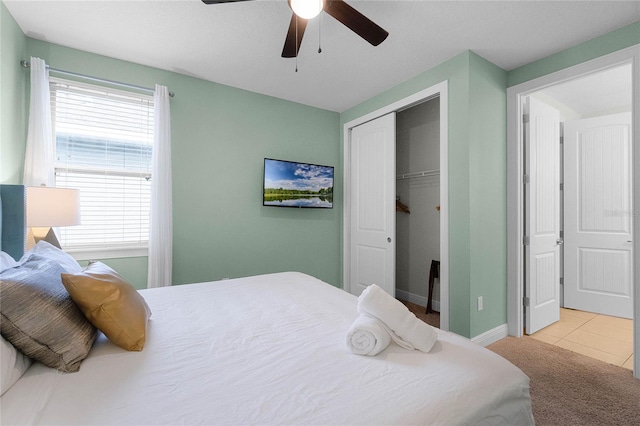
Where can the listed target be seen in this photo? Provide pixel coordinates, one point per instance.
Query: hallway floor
(432, 318)
(609, 339)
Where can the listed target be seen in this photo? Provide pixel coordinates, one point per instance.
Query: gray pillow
(40, 319)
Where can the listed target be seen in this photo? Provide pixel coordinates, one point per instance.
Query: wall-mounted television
(301, 185)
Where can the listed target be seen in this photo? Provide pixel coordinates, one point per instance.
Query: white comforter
(269, 350)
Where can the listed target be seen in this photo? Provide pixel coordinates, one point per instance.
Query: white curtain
(161, 226)
(39, 159)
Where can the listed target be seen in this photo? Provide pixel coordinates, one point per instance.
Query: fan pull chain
(319, 33)
(296, 44)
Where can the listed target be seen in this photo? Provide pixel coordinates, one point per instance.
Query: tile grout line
(628, 359)
(579, 317)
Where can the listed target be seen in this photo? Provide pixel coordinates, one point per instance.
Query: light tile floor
(609, 339)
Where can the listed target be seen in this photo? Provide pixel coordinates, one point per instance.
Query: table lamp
(48, 207)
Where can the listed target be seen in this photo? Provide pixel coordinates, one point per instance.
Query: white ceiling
(239, 44)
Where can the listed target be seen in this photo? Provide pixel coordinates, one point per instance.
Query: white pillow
(51, 252)
(14, 364)
(7, 262)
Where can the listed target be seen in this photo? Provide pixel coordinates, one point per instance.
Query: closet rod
(27, 64)
(418, 174)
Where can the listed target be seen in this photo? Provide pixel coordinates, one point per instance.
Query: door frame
(438, 90)
(515, 193)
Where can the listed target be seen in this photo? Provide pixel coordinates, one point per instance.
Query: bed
(268, 349)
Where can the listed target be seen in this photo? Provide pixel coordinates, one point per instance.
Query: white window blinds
(103, 145)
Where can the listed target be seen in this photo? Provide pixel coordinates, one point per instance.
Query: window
(103, 146)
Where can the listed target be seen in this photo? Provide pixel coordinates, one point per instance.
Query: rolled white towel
(375, 302)
(367, 336)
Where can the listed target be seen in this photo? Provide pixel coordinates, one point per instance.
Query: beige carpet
(571, 389)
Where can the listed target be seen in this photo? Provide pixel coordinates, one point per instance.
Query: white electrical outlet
(480, 301)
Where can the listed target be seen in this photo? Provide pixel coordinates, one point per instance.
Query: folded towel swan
(367, 336)
(404, 327)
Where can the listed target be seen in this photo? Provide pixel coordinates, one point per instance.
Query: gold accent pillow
(111, 304)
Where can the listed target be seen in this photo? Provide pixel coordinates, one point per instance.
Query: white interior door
(372, 192)
(598, 215)
(542, 221)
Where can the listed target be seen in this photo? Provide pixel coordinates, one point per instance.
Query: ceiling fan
(303, 10)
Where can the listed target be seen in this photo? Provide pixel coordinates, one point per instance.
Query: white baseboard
(484, 339)
(491, 336)
(417, 299)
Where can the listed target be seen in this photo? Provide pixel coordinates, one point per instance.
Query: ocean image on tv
(288, 184)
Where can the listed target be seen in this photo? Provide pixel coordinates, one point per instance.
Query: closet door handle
(559, 241)
(388, 239)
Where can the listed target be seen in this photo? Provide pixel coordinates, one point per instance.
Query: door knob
(388, 239)
(559, 241)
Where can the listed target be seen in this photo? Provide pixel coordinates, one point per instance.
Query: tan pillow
(111, 304)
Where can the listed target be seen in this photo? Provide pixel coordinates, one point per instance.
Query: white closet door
(542, 223)
(599, 215)
(373, 205)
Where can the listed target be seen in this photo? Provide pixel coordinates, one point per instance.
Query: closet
(417, 201)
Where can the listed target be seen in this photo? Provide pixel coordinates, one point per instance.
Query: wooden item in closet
(434, 272)
(401, 207)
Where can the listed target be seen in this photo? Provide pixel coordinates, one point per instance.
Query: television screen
(291, 184)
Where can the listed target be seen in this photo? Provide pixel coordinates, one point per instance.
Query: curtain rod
(27, 64)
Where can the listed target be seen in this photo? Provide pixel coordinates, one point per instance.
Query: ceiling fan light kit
(306, 9)
(303, 10)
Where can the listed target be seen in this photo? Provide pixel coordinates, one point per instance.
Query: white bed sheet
(269, 349)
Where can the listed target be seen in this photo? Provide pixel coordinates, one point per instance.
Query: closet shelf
(418, 174)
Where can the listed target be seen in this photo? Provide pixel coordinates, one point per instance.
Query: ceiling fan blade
(356, 21)
(220, 1)
(294, 38)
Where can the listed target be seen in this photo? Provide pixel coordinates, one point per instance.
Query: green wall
(487, 195)
(220, 136)
(477, 177)
(13, 98)
(583, 52)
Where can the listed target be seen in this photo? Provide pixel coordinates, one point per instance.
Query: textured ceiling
(239, 44)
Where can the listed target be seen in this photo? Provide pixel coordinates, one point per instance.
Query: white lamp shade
(48, 207)
(307, 9)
